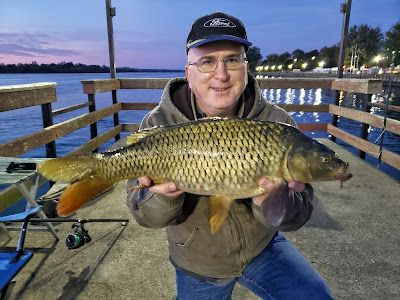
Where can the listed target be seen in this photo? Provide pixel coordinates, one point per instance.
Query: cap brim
(218, 38)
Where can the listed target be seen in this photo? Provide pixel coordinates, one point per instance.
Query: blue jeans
(279, 272)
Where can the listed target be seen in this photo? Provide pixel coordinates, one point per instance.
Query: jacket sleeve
(150, 209)
(299, 208)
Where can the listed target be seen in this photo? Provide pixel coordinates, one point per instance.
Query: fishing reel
(79, 238)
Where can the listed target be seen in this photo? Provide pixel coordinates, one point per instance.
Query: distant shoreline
(70, 67)
(77, 72)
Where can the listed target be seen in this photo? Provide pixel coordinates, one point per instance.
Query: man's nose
(221, 72)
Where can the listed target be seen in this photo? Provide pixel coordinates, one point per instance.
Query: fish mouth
(344, 173)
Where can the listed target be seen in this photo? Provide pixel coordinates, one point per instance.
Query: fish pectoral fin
(219, 208)
(275, 206)
(79, 193)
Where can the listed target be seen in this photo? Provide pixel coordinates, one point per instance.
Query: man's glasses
(208, 65)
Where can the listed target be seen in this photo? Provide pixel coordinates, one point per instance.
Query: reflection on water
(355, 101)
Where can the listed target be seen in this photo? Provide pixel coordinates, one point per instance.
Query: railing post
(116, 116)
(364, 128)
(335, 118)
(48, 121)
(93, 127)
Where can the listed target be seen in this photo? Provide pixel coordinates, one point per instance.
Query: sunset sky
(152, 34)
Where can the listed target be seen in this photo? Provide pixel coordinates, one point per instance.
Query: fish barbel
(220, 157)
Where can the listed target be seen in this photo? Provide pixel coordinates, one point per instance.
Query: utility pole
(345, 8)
(110, 11)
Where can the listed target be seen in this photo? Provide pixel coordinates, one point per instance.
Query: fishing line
(386, 109)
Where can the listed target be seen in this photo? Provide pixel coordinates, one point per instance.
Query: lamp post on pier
(345, 8)
(110, 12)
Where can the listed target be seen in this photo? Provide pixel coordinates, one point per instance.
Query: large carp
(220, 157)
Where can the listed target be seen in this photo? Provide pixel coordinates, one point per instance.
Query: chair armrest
(20, 217)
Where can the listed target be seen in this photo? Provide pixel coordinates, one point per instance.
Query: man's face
(217, 93)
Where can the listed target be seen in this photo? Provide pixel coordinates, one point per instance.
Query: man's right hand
(168, 188)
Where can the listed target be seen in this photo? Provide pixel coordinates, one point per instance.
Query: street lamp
(280, 67)
(266, 68)
(377, 58)
(321, 64)
(290, 66)
(304, 65)
(273, 67)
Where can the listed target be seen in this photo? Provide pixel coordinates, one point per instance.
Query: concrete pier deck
(352, 239)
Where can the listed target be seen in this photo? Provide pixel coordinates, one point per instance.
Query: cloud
(31, 45)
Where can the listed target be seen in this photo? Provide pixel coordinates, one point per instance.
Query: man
(246, 249)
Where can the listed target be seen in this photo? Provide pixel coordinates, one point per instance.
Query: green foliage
(367, 41)
(254, 57)
(330, 56)
(392, 43)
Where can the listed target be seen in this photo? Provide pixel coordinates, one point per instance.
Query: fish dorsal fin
(136, 137)
(219, 208)
(143, 133)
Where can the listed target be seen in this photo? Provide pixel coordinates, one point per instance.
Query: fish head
(309, 160)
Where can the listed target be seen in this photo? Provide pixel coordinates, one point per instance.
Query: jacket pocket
(191, 237)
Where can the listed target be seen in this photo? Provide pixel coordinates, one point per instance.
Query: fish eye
(324, 159)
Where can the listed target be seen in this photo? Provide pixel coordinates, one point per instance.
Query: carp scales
(220, 157)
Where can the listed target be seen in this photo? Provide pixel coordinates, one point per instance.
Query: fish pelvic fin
(275, 206)
(77, 194)
(68, 169)
(219, 208)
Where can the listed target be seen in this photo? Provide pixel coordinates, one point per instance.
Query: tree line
(69, 67)
(364, 44)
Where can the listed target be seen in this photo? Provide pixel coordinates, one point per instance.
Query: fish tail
(68, 169)
(79, 193)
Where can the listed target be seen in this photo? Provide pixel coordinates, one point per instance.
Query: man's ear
(187, 71)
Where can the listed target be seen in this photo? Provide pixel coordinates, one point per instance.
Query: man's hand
(168, 189)
(269, 186)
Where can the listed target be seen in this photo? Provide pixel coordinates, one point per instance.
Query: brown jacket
(244, 234)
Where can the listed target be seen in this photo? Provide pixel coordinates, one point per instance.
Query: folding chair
(11, 262)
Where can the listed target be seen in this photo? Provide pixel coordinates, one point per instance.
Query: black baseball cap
(215, 27)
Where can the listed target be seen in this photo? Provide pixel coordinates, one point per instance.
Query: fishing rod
(386, 110)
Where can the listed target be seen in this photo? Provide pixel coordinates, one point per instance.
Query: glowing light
(312, 58)
(304, 65)
(280, 67)
(290, 66)
(266, 68)
(377, 58)
(273, 67)
(321, 64)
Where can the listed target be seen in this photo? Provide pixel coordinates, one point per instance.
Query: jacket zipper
(238, 237)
